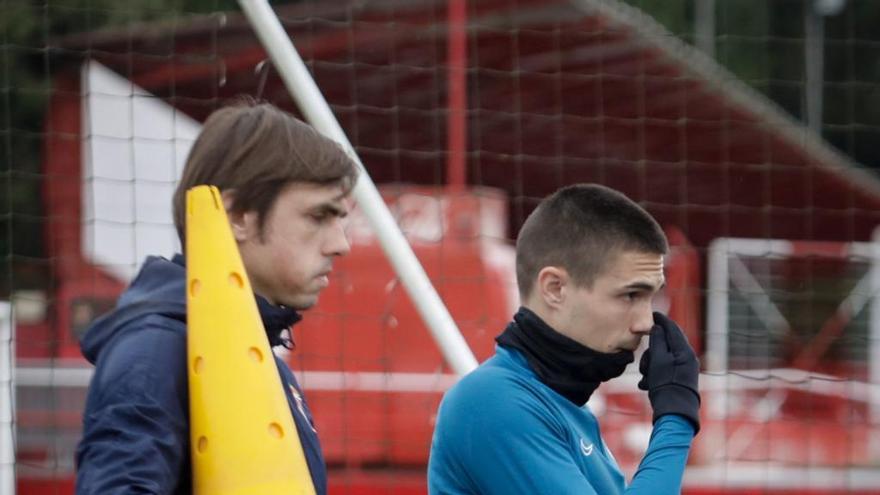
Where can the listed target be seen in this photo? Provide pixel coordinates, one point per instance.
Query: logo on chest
(586, 449)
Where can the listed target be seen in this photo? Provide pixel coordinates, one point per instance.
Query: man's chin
(302, 303)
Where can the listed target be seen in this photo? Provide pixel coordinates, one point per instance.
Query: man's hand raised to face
(670, 372)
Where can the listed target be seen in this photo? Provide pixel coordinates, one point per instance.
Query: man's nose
(644, 321)
(337, 243)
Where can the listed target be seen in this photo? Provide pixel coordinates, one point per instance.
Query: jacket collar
(276, 319)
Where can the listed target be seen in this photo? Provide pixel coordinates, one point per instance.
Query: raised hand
(670, 372)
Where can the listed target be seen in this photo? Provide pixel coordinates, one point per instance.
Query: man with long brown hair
(285, 190)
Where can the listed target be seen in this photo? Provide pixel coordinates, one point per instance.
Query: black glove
(670, 372)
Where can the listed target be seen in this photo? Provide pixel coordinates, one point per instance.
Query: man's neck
(545, 313)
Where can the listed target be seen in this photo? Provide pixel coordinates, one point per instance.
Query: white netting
(100, 100)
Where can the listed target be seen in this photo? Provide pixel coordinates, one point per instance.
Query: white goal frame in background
(7, 400)
(722, 273)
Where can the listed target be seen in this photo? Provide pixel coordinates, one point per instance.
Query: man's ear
(243, 224)
(551, 285)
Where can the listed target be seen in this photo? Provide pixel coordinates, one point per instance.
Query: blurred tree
(762, 43)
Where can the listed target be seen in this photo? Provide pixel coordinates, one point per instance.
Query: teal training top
(501, 431)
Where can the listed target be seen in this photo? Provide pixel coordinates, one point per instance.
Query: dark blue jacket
(136, 421)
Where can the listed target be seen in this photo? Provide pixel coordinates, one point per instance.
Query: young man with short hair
(589, 262)
(285, 190)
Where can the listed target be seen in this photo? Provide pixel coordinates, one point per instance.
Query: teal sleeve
(493, 443)
(662, 468)
(494, 437)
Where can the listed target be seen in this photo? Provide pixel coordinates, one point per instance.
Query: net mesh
(700, 114)
(792, 353)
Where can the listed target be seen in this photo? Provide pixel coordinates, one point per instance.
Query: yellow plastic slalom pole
(244, 440)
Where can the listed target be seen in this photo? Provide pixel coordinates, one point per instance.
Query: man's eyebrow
(331, 208)
(643, 286)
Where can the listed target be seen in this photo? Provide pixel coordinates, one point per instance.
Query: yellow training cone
(243, 437)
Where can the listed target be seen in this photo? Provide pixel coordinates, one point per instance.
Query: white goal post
(7, 400)
(730, 274)
(314, 107)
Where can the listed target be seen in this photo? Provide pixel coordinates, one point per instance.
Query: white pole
(717, 334)
(704, 14)
(316, 110)
(7, 401)
(814, 61)
(874, 331)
